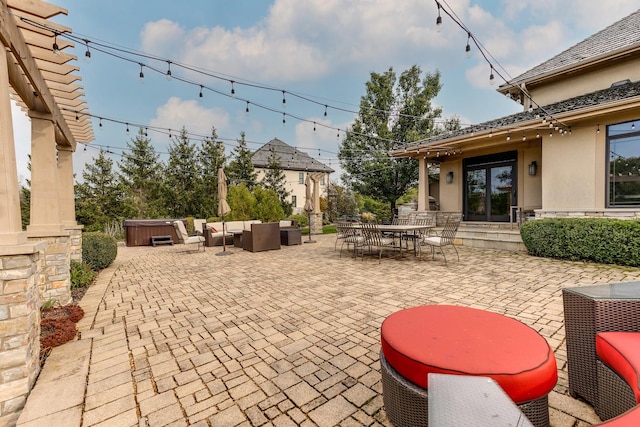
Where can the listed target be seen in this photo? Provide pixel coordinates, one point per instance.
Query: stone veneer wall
(595, 213)
(75, 242)
(55, 282)
(19, 326)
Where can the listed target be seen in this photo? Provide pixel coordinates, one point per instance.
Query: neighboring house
(295, 165)
(573, 151)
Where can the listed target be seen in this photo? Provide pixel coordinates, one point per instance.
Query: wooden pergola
(42, 82)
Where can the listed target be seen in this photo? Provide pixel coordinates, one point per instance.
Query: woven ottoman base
(407, 405)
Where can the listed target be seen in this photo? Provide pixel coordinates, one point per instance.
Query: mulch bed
(58, 324)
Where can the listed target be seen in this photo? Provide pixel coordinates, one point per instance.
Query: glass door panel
(501, 192)
(476, 195)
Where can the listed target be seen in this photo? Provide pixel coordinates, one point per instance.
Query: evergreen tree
(392, 111)
(241, 168)
(212, 158)
(141, 175)
(267, 207)
(25, 199)
(184, 183)
(101, 198)
(274, 179)
(241, 202)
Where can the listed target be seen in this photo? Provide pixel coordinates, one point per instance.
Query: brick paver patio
(278, 338)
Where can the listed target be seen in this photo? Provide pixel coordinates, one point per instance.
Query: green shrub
(301, 220)
(190, 227)
(81, 274)
(98, 249)
(603, 240)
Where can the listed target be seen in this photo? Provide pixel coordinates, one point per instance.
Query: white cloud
(176, 113)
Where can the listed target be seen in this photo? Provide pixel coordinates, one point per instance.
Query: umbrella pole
(224, 241)
(309, 220)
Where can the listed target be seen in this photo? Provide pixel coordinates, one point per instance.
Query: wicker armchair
(588, 311)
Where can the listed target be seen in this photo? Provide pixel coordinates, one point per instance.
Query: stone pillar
(423, 185)
(315, 226)
(20, 268)
(10, 221)
(45, 198)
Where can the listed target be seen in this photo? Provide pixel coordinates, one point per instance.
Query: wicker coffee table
(456, 340)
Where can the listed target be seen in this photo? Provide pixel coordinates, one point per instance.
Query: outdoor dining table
(402, 229)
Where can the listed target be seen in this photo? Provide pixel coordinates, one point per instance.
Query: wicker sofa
(212, 231)
(602, 325)
(261, 237)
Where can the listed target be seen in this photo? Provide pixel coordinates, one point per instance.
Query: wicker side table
(587, 311)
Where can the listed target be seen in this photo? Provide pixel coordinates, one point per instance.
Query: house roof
(574, 105)
(619, 36)
(290, 158)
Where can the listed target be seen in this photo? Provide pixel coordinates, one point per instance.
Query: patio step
(490, 236)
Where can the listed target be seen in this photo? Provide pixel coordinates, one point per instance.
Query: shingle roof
(600, 97)
(290, 158)
(622, 34)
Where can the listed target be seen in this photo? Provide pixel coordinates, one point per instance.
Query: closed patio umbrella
(223, 207)
(308, 205)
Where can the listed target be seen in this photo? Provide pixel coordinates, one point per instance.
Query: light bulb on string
(233, 90)
(524, 137)
(141, 73)
(100, 124)
(491, 77)
(247, 109)
(468, 47)
(77, 117)
(284, 101)
(438, 19)
(87, 54)
(146, 131)
(127, 128)
(325, 110)
(284, 120)
(200, 95)
(598, 130)
(633, 126)
(169, 133)
(85, 147)
(56, 49)
(530, 107)
(509, 136)
(314, 126)
(537, 134)
(168, 70)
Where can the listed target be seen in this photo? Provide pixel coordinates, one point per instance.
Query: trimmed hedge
(98, 249)
(603, 240)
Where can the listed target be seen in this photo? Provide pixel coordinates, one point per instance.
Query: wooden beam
(38, 8)
(11, 37)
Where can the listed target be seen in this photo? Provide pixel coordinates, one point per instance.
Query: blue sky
(321, 49)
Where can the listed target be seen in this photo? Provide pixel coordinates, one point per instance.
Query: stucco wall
(295, 188)
(583, 83)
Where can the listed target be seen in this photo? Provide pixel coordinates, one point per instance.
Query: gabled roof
(620, 36)
(290, 158)
(574, 105)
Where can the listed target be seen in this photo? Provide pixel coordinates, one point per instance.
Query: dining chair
(374, 239)
(445, 238)
(350, 236)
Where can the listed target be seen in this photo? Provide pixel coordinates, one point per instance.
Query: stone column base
(316, 223)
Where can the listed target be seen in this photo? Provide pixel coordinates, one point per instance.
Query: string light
(537, 134)
(100, 124)
(168, 70)
(233, 90)
(524, 137)
(200, 95)
(87, 54)
(127, 128)
(438, 19)
(598, 130)
(284, 101)
(468, 47)
(491, 77)
(284, 121)
(325, 110)
(314, 126)
(56, 49)
(247, 109)
(77, 117)
(509, 136)
(141, 73)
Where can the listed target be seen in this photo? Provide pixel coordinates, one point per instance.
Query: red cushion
(621, 352)
(631, 418)
(460, 340)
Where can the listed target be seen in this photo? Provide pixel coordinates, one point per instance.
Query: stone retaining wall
(20, 272)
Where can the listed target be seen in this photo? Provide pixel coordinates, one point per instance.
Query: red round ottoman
(450, 339)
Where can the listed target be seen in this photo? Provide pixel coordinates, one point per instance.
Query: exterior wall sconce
(533, 168)
(449, 177)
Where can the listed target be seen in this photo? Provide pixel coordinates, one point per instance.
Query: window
(294, 201)
(623, 146)
(322, 180)
(300, 177)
